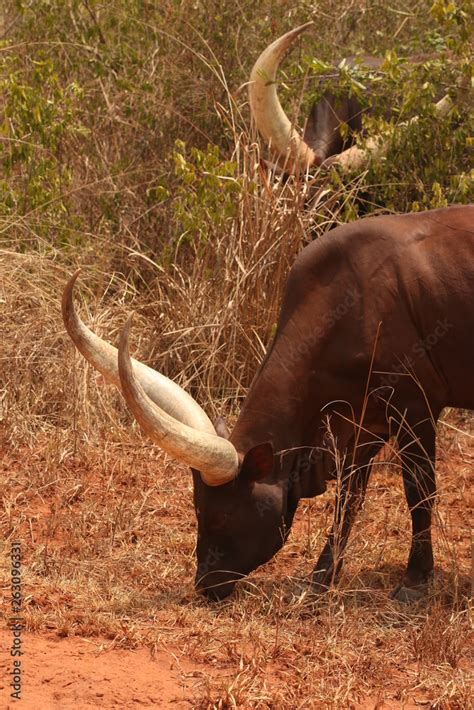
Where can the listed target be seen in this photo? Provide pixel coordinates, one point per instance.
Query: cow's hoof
(409, 595)
(298, 592)
(320, 581)
(302, 595)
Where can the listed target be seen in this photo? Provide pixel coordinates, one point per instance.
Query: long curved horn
(161, 390)
(270, 119)
(215, 458)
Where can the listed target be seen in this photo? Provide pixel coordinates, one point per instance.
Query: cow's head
(239, 496)
(296, 155)
(241, 523)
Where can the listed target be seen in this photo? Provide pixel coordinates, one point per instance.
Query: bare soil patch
(78, 673)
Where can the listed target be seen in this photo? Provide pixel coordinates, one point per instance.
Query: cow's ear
(221, 428)
(257, 463)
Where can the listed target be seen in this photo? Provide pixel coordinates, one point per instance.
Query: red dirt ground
(83, 674)
(90, 673)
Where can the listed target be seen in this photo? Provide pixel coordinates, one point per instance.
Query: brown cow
(375, 336)
(322, 138)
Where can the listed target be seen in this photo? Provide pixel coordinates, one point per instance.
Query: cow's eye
(218, 521)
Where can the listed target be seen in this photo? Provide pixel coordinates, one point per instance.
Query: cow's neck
(272, 412)
(277, 409)
(287, 405)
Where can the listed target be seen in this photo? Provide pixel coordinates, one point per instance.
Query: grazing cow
(375, 336)
(322, 138)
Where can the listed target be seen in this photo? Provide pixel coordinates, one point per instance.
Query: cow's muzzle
(216, 586)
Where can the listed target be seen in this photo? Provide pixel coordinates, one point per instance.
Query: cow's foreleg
(352, 487)
(418, 463)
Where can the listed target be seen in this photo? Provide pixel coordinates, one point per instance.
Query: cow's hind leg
(417, 451)
(352, 487)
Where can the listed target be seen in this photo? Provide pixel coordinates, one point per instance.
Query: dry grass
(108, 532)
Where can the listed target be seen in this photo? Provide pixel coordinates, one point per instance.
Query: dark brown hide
(375, 336)
(327, 116)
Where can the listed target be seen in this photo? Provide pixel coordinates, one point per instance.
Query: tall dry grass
(204, 318)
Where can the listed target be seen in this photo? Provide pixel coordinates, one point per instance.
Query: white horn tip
(125, 334)
(67, 304)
